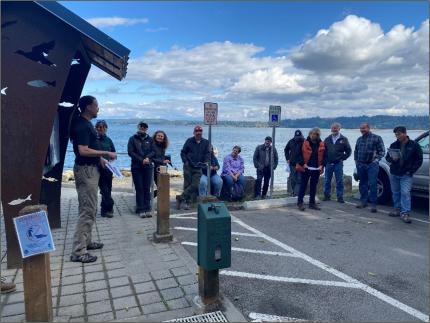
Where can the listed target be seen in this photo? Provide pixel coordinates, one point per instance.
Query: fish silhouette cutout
(40, 83)
(3, 91)
(9, 23)
(75, 61)
(38, 52)
(20, 201)
(66, 104)
(50, 179)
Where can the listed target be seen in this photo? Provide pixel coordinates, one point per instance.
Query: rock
(175, 173)
(347, 185)
(249, 187)
(126, 172)
(68, 176)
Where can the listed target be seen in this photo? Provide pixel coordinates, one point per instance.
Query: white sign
(274, 115)
(34, 234)
(211, 113)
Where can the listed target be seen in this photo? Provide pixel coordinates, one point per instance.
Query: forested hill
(380, 122)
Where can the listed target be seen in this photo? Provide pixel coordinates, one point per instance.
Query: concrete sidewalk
(134, 279)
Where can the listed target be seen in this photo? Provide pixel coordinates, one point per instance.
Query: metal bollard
(37, 281)
(163, 210)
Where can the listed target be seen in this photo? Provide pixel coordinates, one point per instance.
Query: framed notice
(34, 234)
(211, 113)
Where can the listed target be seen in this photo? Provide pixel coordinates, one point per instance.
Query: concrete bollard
(37, 281)
(163, 210)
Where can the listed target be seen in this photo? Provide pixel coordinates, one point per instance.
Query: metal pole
(152, 188)
(210, 160)
(272, 155)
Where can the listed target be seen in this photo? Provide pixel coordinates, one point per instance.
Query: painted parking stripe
(387, 212)
(288, 279)
(178, 215)
(233, 233)
(186, 218)
(389, 300)
(260, 317)
(263, 252)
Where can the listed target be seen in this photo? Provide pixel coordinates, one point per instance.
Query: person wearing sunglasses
(105, 180)
(195, 155)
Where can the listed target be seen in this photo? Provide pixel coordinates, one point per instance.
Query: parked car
(420, 180)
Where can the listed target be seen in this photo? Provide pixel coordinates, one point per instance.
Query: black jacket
(293, 150)
(140, 147)
(159, 155)
(194, 153)
(260, 157)
(411, 159)
(336, 152)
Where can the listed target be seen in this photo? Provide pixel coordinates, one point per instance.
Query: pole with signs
(274, 121)
(211, 117)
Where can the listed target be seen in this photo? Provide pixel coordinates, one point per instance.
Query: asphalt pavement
(337, 264)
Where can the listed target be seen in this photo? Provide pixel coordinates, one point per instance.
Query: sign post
(274, 121)
(211, 117)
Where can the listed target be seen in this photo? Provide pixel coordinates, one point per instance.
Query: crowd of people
(307, 159)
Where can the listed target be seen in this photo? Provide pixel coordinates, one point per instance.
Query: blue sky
(325, 58)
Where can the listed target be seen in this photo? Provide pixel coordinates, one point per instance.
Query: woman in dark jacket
(161, 142)
(141, 150)
(311, 166)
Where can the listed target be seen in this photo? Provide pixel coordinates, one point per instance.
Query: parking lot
(338, 264)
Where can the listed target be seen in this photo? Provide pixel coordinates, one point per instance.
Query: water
(224, 138)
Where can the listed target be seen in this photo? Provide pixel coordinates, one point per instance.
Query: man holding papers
(405, 157)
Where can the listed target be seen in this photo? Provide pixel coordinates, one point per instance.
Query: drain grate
(207, 317)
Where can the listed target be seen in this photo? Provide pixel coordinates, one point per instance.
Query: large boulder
(347, 185)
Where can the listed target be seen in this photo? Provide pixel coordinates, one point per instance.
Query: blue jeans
(228, 181)
(337, 169)
(401, 189)
(216, 185)
(368, 174)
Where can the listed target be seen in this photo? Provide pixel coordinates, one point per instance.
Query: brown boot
(313, 206)
(301, 207)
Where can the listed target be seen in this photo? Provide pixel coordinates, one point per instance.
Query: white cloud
(155, 30)
(350, 68)
(101, 22)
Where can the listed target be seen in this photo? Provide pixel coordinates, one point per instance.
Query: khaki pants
(191, 183)
(86, 180)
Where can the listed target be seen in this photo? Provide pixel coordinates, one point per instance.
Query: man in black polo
(195, 154)
(88, 157)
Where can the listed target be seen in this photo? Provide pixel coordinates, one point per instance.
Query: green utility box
(213, 236)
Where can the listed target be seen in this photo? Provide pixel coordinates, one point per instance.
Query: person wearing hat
(141, 150)
(293, 153)
(262, 162)
(195, 155)
(105, 180)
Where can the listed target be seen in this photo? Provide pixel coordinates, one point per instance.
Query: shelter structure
(46, 55)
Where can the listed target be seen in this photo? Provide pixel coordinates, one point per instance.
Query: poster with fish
(34, 234)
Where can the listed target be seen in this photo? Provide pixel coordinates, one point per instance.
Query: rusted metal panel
(34, 89)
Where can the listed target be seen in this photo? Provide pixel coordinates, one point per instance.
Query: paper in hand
(394, 153)
(114, 170)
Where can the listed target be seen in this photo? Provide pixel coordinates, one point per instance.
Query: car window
(424, 143)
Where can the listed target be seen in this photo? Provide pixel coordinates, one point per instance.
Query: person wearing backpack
(232, 174)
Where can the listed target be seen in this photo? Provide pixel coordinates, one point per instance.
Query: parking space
(337, 264)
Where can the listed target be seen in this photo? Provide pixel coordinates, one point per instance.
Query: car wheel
(384, 188)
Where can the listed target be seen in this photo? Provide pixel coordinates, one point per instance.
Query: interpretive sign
(34, 234)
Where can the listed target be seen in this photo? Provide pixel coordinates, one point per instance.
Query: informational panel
(274, 115)
(34, 234)
(211, 113)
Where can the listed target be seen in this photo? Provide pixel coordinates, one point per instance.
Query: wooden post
(37, 281)
(208, 286)
(163, 209)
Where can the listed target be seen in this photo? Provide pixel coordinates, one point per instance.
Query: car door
(421, 177)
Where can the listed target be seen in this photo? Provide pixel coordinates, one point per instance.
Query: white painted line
(288, 279)
(186, 218)
(233, 233)
(263, 252)
(319, 264)
(260, 317)
(178, 215)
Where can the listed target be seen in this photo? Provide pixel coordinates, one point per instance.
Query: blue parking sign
(275, 118)
(34, 234)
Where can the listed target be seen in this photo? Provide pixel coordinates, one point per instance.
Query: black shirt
(83, 133)
(313, 161)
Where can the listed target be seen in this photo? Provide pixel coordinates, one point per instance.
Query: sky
(324, 59)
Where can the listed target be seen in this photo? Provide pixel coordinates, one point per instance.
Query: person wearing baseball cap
(195, 155)
(293, 154)
(262, 162)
